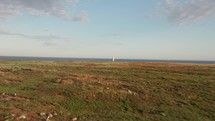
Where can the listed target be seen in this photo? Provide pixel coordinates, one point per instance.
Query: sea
(19, 58)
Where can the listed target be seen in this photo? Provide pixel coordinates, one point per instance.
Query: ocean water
(100, 59)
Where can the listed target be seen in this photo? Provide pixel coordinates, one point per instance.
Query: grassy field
(101, 91)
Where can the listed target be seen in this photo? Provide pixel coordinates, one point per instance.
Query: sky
(128, 29)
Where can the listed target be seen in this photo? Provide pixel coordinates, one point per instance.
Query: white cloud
(35, 37)
(82, 17)
(57, 8)
(49, 44)
(184, 11)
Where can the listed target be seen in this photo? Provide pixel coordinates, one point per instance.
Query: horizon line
(105, 58)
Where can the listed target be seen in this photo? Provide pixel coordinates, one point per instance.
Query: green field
(102, 91)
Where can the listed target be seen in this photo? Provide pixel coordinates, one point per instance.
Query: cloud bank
(184, 11)
(58, 8)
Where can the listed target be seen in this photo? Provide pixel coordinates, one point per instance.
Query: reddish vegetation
(91, 91)
(90, 65)
(12, 97)
(11, 81)
(4, 70)
(85, 79)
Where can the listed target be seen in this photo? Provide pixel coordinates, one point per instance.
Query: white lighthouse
(113, 58)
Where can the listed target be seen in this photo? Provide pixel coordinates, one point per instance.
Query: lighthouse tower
(113, 58)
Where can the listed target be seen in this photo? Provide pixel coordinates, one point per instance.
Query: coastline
(25, 58)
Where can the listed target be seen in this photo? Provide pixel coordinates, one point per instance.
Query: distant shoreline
(99, 59)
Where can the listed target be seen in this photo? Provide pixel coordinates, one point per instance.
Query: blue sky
(135, 29)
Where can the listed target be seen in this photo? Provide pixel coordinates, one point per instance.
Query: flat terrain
(101, 91)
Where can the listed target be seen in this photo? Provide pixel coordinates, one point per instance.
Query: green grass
(95, 91)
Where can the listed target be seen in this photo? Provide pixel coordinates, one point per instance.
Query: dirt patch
(90, 65)
(103, 85)
(11, 81)
(65, 81)
(38, 115)
(16, 111)
(4, 70)
(87, 79)
(17, 114)
(79, 79)
(12, 97)
(26, 69)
